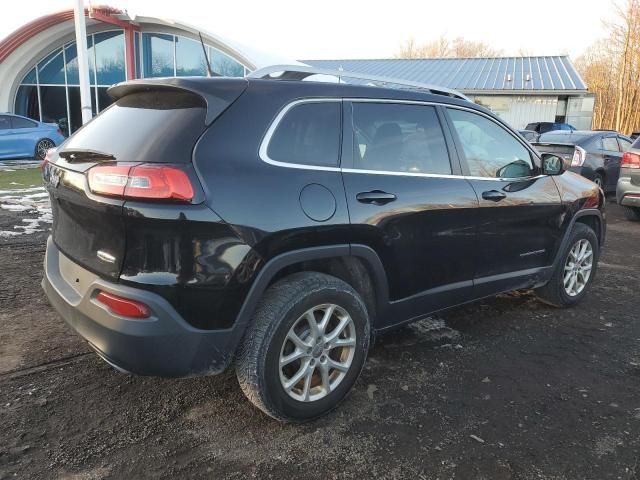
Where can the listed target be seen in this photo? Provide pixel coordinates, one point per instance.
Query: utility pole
(83, 61)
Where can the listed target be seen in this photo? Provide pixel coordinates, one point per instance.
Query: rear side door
(517, 224)
(409, 203)
(612, 159)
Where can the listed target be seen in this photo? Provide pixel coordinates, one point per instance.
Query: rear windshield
(554, 137)
(155, 126)
(636, 143)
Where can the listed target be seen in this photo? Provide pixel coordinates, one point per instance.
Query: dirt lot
(506, 388)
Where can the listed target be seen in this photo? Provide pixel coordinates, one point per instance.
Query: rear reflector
(124, 306)
(630, 160)
(144, 182)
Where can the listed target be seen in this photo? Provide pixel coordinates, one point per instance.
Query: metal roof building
(519, 89)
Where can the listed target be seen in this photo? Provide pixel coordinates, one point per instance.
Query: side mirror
(553, 164)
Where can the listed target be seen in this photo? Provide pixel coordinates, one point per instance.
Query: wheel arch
(357, 265)
(592, 217)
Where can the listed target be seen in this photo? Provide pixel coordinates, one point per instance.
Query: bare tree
(611, 68)
(443, 47)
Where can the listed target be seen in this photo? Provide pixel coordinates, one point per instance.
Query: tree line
(610, 67)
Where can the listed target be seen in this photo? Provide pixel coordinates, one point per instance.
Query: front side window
(308, 134)
(399, 138)
(17, 122)
(5, 123)
(490, 150)
(610, 144)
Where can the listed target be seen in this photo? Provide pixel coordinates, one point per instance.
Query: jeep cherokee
(276, 225)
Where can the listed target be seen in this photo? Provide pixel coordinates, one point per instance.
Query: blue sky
(367, 29)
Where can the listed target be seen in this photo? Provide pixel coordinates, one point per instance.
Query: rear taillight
(579, 156)
(124, 307)
(144, 182)
(630, 160)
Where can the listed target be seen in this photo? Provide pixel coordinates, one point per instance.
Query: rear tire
(282, 329)
(559, 291)
(598, 179)
(632, 213)
(41, 148)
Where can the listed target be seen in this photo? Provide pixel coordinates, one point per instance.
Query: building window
(50, 90)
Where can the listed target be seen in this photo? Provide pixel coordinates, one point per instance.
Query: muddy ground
(504, 389)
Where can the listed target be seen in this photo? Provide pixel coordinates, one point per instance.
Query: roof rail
(300, 72)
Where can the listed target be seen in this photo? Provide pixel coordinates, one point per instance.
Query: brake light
(144, 182)
(579, 156)
(124, 307)
(630, 160)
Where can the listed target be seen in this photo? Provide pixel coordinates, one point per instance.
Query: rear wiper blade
(79, 155)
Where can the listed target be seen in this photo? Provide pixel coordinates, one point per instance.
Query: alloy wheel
(42, 148)
(577, 269)
(317, 352)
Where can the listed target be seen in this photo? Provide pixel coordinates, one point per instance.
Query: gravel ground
(507, 388)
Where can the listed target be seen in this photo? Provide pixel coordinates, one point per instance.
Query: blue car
(22, 137)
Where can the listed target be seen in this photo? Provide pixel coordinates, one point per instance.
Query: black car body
(544, 127)
(594, 154)
(288, 177)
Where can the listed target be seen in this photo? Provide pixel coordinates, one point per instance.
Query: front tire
(306, 347)
(575, 272)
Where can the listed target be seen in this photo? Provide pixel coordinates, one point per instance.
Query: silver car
(628, 187)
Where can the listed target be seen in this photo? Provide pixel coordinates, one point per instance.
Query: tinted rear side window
(308, 134)
(610, 144)
(399, 138)
(17, 122)
(155, 126)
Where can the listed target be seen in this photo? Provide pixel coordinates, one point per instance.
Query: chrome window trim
(264, 145)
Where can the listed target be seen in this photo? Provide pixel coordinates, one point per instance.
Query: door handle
(375, 197)
(493, 195)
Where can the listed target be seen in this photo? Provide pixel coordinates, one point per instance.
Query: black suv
(276, 225)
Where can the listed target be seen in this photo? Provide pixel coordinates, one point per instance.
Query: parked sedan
(544, 127)
(22, 137)
(628, 188)
(595, 155)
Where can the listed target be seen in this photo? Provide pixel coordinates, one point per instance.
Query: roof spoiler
(218, 93)
(300, 72)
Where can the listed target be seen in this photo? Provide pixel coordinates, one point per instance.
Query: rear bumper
(623, 189)
(162, 345)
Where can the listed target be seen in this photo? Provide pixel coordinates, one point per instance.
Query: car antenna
(206, 57)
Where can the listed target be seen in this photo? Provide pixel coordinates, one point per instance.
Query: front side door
(520, 212)
(24, 136)
(409, 203)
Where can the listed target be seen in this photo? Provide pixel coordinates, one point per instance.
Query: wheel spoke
(298, 342)
(337, 365)
(311, 320)
(572, 283)
(324, 375)
(292, 357)
(344, 321)
(307, 383)
(325, 319)
(343, 342)
(293, 381)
